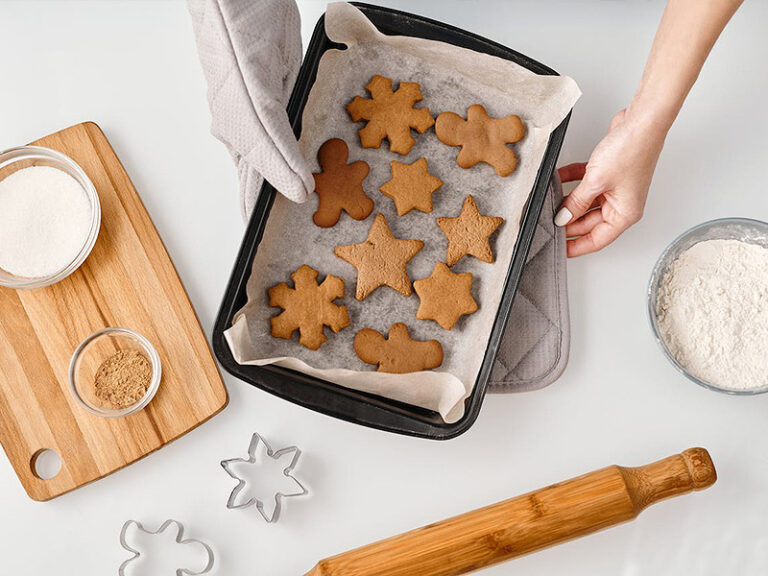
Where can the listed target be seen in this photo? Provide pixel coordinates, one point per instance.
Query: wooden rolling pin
(527, 523)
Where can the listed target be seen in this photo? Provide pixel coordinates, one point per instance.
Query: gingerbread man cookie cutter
(179, 540)
(252, 459)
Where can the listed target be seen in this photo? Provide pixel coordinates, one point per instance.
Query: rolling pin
(527, 523)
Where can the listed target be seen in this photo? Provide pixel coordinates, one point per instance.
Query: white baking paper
(451, 79)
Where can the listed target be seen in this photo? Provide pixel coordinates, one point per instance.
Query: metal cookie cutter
(253, 448)
(179, 540)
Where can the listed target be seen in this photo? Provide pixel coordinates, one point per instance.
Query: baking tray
(332, 399)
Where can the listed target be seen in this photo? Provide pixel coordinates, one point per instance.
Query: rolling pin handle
(700, 467)
(679, 474)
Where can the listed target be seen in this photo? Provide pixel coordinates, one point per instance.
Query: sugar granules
(45, 217)
(712, 310)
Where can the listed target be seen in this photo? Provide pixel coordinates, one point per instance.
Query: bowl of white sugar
(708, 305)
(50, 217)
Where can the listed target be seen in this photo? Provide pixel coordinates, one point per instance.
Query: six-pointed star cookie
(411, 186)
(468, 233)
(445, 296)
(381, 260)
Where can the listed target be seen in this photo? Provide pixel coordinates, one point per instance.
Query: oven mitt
(250, 51)
(534, 349)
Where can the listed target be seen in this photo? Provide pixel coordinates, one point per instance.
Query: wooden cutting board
(127, 281)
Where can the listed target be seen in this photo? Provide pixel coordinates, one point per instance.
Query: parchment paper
(451, 79)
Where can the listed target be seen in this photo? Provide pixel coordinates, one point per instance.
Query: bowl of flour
(708, 305)
(50, 216)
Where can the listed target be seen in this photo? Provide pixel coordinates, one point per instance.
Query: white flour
(712, 309)
(45, 216)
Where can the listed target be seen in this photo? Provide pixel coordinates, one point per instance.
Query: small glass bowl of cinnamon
(114, 372)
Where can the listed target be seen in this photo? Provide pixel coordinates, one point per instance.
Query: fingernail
(563, 217)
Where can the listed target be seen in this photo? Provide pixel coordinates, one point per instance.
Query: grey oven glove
(250, 51)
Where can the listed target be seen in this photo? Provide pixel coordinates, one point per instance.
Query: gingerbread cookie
(308, 307)
(468, 233)
(398, 353)
(482, 138)
(340, 185)
(445, 296)
(381, 260)
(390, 115)
(411, 186)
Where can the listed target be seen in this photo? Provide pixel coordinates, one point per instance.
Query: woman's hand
(614, 184)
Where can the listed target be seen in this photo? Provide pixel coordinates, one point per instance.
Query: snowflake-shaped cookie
(390, 115)
(308, 307)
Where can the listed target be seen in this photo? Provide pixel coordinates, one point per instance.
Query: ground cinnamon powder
(122, 379)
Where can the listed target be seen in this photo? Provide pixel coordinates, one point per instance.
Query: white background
(132, 68)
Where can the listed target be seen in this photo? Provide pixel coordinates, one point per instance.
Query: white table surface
(132, 68)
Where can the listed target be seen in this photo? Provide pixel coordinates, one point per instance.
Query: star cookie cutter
(253, 448)
(179, 540)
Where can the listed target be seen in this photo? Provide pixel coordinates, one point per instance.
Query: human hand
(614, 184)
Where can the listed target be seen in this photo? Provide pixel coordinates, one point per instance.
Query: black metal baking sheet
(332, 399)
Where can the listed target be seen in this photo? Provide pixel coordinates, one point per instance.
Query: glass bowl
(743, 229)
(92, 353)
(16, 159)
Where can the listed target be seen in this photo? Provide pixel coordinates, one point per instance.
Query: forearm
(686, 34)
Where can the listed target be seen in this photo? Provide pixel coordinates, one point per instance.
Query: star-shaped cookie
(381, 260)
(482, 138)
(468, 233)
(445, 296)
(390, 115)
(411, 186)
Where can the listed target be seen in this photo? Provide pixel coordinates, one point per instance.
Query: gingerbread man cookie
(308, 307)
(411, 186)
(482, 138)
(340, 185)
(381, 260)
(445, 296)
(398, 353)
(468, 233)
(390, 115)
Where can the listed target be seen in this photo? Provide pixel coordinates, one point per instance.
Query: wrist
(651, 122)
(652, 113)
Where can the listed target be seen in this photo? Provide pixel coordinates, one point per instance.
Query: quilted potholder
(534, 349)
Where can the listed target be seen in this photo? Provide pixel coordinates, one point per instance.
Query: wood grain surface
(128, 281)
(527, 523)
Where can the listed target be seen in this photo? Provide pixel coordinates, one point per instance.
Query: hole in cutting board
(46, 463)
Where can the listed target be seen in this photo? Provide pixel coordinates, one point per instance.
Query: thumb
(250, 186)
(576, 204)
